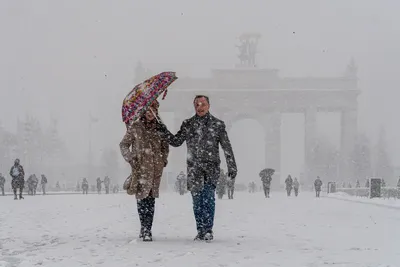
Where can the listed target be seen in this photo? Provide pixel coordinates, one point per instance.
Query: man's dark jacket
(203, 136)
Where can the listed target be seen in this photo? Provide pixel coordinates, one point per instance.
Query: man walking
(317, 186)
(203, 133)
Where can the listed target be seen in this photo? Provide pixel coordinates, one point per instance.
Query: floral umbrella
(143, 94)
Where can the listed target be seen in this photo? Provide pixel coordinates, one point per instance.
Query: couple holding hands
(145, 147)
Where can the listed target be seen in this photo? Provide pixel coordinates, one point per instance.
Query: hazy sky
(69, 58)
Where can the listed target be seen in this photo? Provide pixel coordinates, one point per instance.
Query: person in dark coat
(296, 186)
(231, 188)
(85, 186)
(18, 175)
(203, 134)
(98, 182)
(43, 182)
(221, 185)
(289, 185)
(29, 181)
(107, 183)
(317, 186)
(2, 183)
(266, 179)
(252, 187)
(181, 181)
(32, 184)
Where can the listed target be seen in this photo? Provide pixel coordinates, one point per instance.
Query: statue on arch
(243, 52)
(248, 49)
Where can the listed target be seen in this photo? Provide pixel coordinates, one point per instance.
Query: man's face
(201, 106)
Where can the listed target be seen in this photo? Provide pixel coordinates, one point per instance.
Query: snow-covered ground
(391, 203)
(101, 230)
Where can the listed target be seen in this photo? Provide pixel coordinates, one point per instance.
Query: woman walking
(147, 154)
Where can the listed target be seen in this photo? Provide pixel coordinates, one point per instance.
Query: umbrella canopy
(143, 94)
(266, 172)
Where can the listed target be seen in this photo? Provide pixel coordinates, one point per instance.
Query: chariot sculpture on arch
(248, 49)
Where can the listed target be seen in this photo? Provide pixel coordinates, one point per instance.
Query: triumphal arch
(248, 91)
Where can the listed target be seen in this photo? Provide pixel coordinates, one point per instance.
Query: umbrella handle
(157, 117)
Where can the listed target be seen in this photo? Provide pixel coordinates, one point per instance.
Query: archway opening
(329, 128)
(247, 139)
(328, 140)
(292, 146)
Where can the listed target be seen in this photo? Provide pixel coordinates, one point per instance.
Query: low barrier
(386, 192)
(10, 193)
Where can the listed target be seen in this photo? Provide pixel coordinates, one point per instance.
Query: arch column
(272, 140)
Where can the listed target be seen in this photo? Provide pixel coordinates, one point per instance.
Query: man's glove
(232, 174)
(161, 128)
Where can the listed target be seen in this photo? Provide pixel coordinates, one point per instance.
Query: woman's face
(150, 113)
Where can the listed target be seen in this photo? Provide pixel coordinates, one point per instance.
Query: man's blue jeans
(204, 208)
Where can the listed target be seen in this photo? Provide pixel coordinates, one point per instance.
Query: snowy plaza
(102, 230)
(172, 133)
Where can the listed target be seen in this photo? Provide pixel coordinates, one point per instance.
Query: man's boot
(209, 236)
(199, 237)
(141, 235)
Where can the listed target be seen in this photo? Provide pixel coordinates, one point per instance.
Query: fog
(65, 60)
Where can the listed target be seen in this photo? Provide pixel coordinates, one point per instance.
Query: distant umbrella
(266, 172)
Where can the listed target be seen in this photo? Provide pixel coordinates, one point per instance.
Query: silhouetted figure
(18, 174)
(289, 185)
(296, 186)
(266, 178)
(32, 184)
(85, 186)
(181, 183)
(221, 185)
(43, 182)
(252, 187)
(99, 181)
(317, 186)
(115, 189)
(2, 183)
(107, 184)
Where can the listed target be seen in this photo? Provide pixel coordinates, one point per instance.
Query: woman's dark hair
(200, 96)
